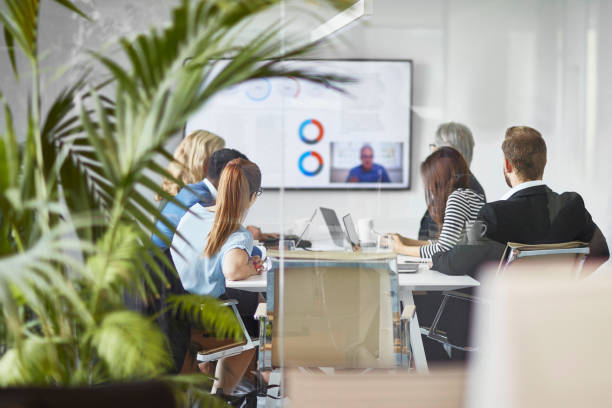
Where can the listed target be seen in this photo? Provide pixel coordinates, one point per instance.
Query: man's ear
(507, 166)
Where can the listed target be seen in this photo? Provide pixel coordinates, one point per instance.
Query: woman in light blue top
(211, 245)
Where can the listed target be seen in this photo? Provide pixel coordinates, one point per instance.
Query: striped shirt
(462, 206)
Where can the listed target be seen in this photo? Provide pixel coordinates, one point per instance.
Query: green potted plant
(75, 225)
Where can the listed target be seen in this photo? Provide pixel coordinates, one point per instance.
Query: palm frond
(207, 312)
(192, 390)
(70, 6)
(131, 346)
(33, 274)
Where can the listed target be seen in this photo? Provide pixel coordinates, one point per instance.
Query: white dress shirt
(211, 188)
(520, 187)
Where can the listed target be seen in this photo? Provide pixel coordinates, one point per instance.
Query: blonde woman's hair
(190, 162)
(240, 179)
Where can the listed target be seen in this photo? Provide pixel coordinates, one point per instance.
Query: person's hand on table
(257, 264)
(396, 243)
(260, 236)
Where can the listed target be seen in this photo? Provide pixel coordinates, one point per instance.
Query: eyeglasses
(259, 192)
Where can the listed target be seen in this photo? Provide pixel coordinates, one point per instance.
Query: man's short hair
(525, 149)
(365, 146)
(219, 159)
(458, 136)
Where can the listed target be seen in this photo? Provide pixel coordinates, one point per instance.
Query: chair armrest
(229, 302)
(261, 312)
(436, 334)
(459, 295)
(408, 312)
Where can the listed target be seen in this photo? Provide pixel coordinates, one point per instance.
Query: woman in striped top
(449, 200)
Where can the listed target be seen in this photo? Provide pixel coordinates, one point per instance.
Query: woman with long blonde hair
(190, 160)
(190, 165)
(212, 246)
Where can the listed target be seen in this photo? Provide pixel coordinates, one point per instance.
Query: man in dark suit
(530, 213)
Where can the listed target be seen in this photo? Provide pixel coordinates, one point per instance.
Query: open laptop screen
(333, 224)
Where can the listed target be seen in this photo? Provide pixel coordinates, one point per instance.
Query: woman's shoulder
(241, 237)
(465, 193)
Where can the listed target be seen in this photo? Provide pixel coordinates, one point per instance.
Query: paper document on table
(411, 259)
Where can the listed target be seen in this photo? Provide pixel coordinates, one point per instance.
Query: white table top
(424, 279)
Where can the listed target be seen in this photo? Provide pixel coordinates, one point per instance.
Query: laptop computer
(351, 231)
(333, 225)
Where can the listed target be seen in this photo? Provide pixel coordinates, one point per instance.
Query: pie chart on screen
(310, 163)
(311, 131)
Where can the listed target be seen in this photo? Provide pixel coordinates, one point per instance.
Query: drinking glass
(383, 242)
(286, 244)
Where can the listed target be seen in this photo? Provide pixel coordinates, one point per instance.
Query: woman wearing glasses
(459, 137)
(211, 246)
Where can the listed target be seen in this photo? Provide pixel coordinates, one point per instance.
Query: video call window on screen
(308, 136)
(366, 162)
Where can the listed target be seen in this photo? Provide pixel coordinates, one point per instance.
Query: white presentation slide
(308, 136)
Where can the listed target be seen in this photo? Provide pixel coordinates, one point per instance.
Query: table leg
(416, 342)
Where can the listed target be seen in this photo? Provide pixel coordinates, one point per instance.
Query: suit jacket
(429, 228)
(535, 215)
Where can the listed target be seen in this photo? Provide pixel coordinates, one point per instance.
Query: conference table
(424, 279)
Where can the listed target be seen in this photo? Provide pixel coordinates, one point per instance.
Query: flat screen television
(308, 136)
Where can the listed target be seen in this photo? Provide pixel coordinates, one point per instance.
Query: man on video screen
(368, 171)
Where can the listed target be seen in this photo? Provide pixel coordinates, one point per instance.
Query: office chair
(229, 348)
(336, 314)
(562, 260)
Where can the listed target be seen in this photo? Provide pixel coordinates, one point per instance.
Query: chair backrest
(335, 314)
(561, 260)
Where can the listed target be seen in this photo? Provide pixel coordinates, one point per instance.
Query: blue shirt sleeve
(385, 176)
(241, 239)
(352, 173)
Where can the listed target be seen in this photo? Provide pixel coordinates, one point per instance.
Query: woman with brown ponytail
(211, 245)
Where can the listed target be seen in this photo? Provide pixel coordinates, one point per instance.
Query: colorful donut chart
(304, 157)
(315, 123)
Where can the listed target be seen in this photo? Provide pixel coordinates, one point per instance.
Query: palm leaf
(146, 354)
(208, 313)
(70, 6)
(10, 47)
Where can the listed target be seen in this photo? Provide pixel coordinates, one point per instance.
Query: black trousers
(455, 321)
(247, 305)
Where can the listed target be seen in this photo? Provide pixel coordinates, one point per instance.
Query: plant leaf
(69, 5)
(10, 47)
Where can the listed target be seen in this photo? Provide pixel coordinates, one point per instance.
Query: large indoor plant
(74, 222)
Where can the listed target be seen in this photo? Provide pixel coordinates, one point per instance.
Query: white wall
(489, 64)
